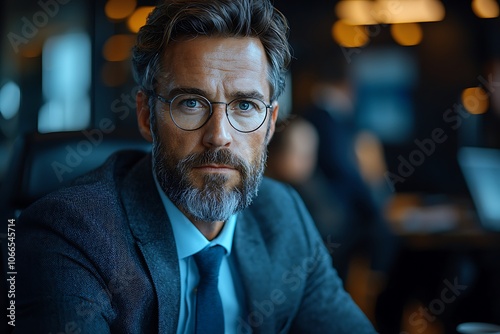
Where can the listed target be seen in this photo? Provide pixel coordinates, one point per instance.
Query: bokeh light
(389, 11)
(118, 47)
(138, 18)
(350, 36)
(363, 12)
(407, 34)
(475, 100)
(10, 100)
(119, 9)
(486, 9)
(355, 12)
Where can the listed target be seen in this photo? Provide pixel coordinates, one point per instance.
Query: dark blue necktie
(209, 313)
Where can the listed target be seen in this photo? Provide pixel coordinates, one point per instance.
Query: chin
(215, 181)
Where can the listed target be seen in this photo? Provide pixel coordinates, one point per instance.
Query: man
(124, 250)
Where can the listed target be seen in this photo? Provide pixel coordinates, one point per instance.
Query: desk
(441, 246)
(438, 226)
(463, 239)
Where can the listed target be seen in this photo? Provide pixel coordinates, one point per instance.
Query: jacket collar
(255, 270)
(152, 231)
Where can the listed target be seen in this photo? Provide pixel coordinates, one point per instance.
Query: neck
(209, 230)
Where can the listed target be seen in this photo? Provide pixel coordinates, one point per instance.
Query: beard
(214, 201)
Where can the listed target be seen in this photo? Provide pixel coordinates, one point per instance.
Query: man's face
(214, 171)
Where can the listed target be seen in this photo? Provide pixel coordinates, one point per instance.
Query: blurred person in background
(338, 171)
(293, 158)
(352, 164)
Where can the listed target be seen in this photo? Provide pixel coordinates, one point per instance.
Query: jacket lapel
(255, 270)
(153, 233)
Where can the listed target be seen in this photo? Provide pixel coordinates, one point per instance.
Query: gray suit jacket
(100, 257)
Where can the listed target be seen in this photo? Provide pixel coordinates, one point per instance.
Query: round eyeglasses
(190, 112)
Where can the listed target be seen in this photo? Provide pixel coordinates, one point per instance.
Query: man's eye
(191, 103)
(244, 105)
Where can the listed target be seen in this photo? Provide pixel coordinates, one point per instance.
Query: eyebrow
(253, 94)
(236, 95)
(186, 90)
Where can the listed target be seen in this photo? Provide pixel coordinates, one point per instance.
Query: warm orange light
(138, 19)
(350, 36)
(117, 47)
(356, 12)
(370, 155)
(475, 100)
(407, 34)
(119, 9)
(367, 12)
(485, 9)
(31, 50)
(391, 11)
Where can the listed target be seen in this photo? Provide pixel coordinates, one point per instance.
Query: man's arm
(325, 307)
(58, 287)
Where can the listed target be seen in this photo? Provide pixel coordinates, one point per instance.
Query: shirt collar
(188, 239)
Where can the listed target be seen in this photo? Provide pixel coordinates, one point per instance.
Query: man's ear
(143, 115)
(274, 118)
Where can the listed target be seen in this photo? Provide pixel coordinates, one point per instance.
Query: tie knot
(208, 261)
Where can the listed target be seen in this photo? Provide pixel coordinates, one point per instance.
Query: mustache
(220, 157)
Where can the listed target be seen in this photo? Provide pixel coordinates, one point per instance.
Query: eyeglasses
(190, 112)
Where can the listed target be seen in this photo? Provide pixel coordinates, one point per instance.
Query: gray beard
(213, 202)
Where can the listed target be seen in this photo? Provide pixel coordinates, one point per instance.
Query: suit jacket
(100, 257)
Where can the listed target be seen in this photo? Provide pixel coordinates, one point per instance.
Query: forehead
(217, 65)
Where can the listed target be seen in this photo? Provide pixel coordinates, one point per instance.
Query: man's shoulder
(280, 201)
(114, 170)
(270, 186)
(90, 193)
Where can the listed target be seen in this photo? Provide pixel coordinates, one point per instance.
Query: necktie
(209, 313)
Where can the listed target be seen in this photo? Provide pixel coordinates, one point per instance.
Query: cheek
(177, 145)
(254, 147)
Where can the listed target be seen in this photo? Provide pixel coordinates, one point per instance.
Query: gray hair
(179, 19)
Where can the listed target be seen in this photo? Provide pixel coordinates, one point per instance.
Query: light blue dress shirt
(189, 241)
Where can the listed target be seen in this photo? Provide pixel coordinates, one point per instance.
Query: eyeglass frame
(210, 103)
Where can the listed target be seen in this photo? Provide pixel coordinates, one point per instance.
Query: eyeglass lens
(190, 112)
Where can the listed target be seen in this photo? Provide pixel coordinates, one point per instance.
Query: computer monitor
(481, 170)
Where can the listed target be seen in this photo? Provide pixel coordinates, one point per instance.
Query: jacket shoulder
(90, 195)
(272, 191)
(279, 210)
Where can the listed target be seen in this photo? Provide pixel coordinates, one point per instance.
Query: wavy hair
(175, 20)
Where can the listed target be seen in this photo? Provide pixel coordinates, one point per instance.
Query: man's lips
(215, 168)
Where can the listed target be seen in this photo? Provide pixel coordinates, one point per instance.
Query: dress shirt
(189, 241)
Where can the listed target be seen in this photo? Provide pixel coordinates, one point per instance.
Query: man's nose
(218, 130)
